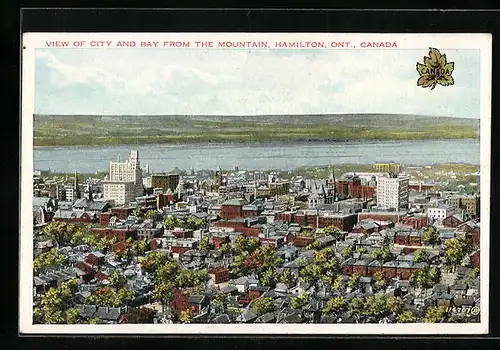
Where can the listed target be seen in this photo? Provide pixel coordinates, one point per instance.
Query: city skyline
(244, 82)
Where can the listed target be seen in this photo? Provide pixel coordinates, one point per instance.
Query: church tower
(76, 186)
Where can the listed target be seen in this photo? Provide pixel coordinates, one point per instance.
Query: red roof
(91, 259)
(84, 267)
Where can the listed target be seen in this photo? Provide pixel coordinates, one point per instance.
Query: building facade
(128, 171)
(387, 167)
(392, 191)
(121, 192)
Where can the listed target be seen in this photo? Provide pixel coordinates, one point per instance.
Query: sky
(249, 82)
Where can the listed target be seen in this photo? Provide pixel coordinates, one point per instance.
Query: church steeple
(76, 186)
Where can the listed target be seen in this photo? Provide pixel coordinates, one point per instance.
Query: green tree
(117, 280)
(194, 224)
(346, 252)
(138, 247)
(205, 244)
(379, 281)
(138, 212)
(220, 300)
(472, 275)
(268, 277)
(406, 317)
(338, 282)
(313, 245)
(297, 302)
(361, 250)
(287, 277)
(356, 306)
(376, 305)
(94, 320)
(59, 231)
(226, 249)
(425, 277)
(48, 260)
(455, 250)
(311, 273)
(242, 244)
(421, 255)
(385, 255)
(72, 316)
(261, 305)
(152, 261)
(55, 302)
(335, 304)
(395, 305)
(151, 214)
(430, 236)
(353, 281)
(375, 254)
(171, 222)
(335, 232)
(435, 314)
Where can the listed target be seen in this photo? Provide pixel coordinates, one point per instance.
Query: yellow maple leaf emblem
(435, 70)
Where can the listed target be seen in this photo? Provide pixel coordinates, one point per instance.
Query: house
(288, 252)
(256, 291)
(120, 233)
(325, 241)
(241, 284)
(281, 288)
(373, 267)
(389, 269)
(247, 316)
(365, 285)
(347, 266)
(453, 220)
(365, 228)
(220, 239)
(197, 302)
(111, 314)
(86, 311)
(73, 216)
(219, 274)
(232, 208)
(360, 267)
(404, 269)
(84, 271)
(299, 241)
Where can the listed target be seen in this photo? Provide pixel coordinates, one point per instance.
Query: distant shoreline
(113, 141)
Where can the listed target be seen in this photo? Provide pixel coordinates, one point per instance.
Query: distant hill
(126, 129)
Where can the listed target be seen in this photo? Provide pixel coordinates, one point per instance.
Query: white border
(31, 41)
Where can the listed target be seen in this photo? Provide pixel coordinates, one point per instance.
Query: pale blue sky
(242, 82)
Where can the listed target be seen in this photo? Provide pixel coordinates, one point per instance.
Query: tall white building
(392, 191)
(129, 170)
(125, 180)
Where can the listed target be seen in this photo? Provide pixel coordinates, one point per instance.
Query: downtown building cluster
(255, 247)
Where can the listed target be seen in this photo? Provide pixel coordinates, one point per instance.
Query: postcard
(255, 183)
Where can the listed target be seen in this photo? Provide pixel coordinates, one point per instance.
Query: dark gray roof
(390, 264)
(224, 318)
(87, 311)
(196, 299)
(266, 318)
(108, 313)
(247, 316)
(375, 263)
